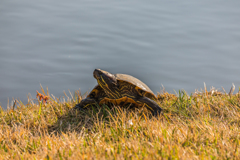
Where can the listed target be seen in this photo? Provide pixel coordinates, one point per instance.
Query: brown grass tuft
(204, 125)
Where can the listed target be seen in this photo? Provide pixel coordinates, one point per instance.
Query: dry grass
(204, 125)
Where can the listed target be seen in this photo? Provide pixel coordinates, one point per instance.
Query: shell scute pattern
(134, 81)
(133, 86)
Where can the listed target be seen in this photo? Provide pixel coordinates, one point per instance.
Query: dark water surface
(177, 44)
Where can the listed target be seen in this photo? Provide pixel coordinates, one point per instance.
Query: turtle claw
(84, 103)
(78, 107)
(157, 112)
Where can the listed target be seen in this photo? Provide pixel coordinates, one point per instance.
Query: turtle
(120, 90)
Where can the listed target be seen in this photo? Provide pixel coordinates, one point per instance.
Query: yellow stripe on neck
(104, 85)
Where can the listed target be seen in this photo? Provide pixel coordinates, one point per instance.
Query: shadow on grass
(89, 119)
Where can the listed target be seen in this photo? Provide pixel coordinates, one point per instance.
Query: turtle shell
(136, 84)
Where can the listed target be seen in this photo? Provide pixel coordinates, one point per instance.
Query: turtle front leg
(85, 103)
(150, 104)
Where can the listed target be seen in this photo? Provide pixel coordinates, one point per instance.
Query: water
(58, 44)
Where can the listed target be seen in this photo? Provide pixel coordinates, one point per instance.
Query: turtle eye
(118, 85)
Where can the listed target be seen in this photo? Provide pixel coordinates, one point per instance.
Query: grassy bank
(204, 125)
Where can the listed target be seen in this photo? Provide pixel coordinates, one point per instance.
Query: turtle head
(105, 77)
(107, 81)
